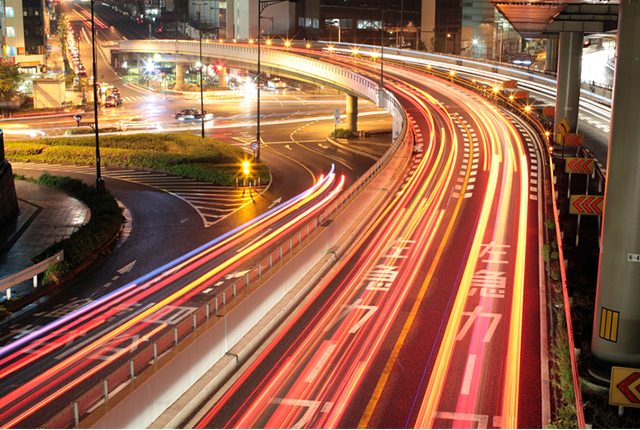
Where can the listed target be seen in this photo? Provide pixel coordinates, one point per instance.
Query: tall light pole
(262, 5)
(382, 48)
(201, 65)
(99, 180)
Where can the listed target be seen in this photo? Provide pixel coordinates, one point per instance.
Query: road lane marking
(468, 375)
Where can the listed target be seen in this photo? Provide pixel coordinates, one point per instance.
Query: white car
(137, 123)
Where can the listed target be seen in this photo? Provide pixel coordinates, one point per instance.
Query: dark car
(186, 114)
(192, 114)
(113, 100)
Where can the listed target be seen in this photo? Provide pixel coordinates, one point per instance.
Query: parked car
(137, 123)
(192, 115)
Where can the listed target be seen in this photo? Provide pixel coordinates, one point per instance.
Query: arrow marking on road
(275, 202)
(127, 268)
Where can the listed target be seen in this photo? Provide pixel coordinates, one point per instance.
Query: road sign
(549, 111)
(579, 165)
(521, 94)
(336, 116)
(563, 127)
(510, 84)
(254, 146)
(624, 389)
(582, 204)
(573, 139)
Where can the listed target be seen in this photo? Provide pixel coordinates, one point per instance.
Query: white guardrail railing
(139, 392)
(32, 272)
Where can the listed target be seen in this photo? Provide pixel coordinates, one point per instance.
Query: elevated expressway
(427, 290)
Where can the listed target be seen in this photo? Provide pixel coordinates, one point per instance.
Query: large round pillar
(352, 113)
(568, 82)
(551, 60)
(179, 76)
(616, 323)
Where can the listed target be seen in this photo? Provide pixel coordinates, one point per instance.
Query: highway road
(434, 320)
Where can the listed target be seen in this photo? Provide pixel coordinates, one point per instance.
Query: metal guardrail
(32, 272)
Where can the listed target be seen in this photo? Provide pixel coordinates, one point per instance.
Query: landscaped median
(178, 153)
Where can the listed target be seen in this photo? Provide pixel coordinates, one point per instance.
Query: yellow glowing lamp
(496, 89)
(245, 166)
(251, 41)
(308, 45)
(268, 42)
(287, 44)
(527, 108)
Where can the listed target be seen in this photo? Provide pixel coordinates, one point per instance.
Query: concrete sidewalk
(46, 216)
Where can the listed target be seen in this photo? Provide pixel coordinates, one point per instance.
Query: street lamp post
(262, 5)
(382, 48)
(201, 85)
(99, 180)
(201, 65)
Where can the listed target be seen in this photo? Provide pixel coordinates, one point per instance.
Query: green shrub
(342, 133)
(183, 154)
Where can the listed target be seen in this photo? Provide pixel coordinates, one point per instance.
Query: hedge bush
(104, 224)
(182, 154)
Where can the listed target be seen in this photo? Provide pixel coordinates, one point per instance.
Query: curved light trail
(45, 379)
(335, 365)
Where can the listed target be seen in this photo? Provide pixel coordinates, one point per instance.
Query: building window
(11, 32)
(316, 23)
(301, 21)
(307, 22)
(11, 51)
(8, 12)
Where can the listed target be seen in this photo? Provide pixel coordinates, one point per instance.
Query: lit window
(11, 51)
(11, 32)
(8, 12)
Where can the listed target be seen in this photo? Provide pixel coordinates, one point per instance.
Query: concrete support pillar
(179, 76)
(352, 113)
(616, 323)
(551, 61)
(222, 75)
(568, 83)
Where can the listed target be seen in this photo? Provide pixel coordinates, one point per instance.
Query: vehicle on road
(276, 84)
(113, 100)
(192, 115)
(137, 123)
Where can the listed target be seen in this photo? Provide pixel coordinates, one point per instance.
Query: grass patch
(179, 153)
(342, 133)
(104, 224)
